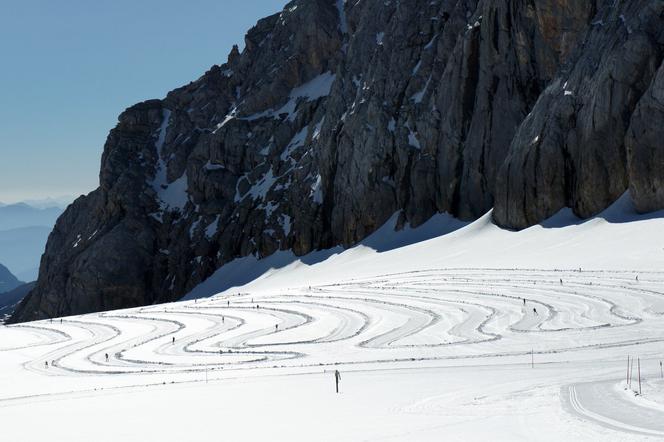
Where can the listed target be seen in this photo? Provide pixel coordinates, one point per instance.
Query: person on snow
(106, 357)
(524, 301)
(276, 327)
(535, 311)
(46, 364)
(173, 341)
(561, 281)
(337, 378)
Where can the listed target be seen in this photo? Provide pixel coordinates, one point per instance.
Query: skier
(535, 311)
(276, 327)
(223, 319)
(173, 340)
(106, 357)
(228, 303)
(561, 281)
(637, 278)
(524, 301)
(337, 378)
(46, 364)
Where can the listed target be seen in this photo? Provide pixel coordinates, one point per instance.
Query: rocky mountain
(339, 113)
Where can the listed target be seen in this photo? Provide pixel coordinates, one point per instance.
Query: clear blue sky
(69, 67)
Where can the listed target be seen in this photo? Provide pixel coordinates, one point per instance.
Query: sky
(70, 67)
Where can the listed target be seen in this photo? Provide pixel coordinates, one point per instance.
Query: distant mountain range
(14, 216)
(8, 281)
(24, 229)
(21, 250)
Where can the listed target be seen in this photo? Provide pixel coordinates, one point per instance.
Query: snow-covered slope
(619, 238)
(451, 331)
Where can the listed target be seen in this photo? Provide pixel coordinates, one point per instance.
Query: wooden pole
(627, 378)
(639, 368)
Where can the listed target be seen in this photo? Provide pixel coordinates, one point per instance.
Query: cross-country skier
(535, 311)
(173, 340)
(337, 378)
(106, 357)
(524, 301)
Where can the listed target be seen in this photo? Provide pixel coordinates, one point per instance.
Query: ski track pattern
(423, 315)
(432, 315)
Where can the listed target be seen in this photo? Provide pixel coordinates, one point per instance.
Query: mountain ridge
(337, 115)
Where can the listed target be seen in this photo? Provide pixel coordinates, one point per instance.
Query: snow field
(390, 324)
(428, 327)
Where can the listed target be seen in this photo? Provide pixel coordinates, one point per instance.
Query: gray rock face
(594, 131)
(338, 114)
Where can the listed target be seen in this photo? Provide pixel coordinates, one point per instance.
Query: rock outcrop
(338, 114)
(596, 129)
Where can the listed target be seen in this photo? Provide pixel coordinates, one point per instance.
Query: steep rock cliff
(338, 114)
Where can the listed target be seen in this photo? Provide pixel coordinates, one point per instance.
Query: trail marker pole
(661, 372)
(532, 358)
(639, 368)
(627, 378)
